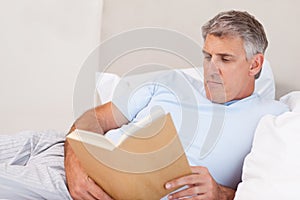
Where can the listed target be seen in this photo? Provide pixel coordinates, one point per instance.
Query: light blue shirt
(214, 135)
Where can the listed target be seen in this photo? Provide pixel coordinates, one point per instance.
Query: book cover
(147, 156)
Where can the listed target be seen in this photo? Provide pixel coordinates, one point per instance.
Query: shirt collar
(230, 102)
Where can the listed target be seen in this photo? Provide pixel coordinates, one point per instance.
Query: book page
(92, 138)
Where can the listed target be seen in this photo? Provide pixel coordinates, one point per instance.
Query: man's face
(226, 69)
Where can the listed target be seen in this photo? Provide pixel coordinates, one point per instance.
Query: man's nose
(213, 66)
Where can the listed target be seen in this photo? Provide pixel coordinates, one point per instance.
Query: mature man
(234, 46)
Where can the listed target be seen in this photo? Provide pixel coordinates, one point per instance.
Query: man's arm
(100, 120)
(201, 185)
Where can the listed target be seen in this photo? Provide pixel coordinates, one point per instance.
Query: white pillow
(272, 168)
(105, 85)
(264, 85)
(292, 99)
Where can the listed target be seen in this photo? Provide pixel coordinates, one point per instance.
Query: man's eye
(225, 60)
(207, 57)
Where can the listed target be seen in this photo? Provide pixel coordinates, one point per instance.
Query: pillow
(105, 85)
(272, 168)
(264, 85)
(292, 99)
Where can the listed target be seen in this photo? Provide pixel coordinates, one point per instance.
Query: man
(234, 46)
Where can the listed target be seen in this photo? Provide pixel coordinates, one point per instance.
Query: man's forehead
(223, 45)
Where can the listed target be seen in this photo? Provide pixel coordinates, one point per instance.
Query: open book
(147, 156)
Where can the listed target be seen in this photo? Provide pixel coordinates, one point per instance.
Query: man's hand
(99, 120)
(81, 187)
(200, 185)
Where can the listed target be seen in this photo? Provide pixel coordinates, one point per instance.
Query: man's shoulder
(256, 104)
(271, 106)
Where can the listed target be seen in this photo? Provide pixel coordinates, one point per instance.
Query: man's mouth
(213, 82)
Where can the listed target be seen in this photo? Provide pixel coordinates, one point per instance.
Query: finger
(199, 170)
(88, 196)
(96, 191)
(189, 192)
(81, 192)
(83, 195)
(185, 180)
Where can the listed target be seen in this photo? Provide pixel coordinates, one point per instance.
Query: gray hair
(242, 24)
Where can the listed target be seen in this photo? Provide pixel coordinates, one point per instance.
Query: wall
(42, 46)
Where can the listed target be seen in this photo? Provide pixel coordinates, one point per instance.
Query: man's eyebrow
(218, 54)
(206, 53)
(225, 55)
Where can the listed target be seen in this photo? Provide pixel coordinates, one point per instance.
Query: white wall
(280, 19)
(42, 47)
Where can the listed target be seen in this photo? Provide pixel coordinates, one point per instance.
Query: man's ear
(256, 64)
